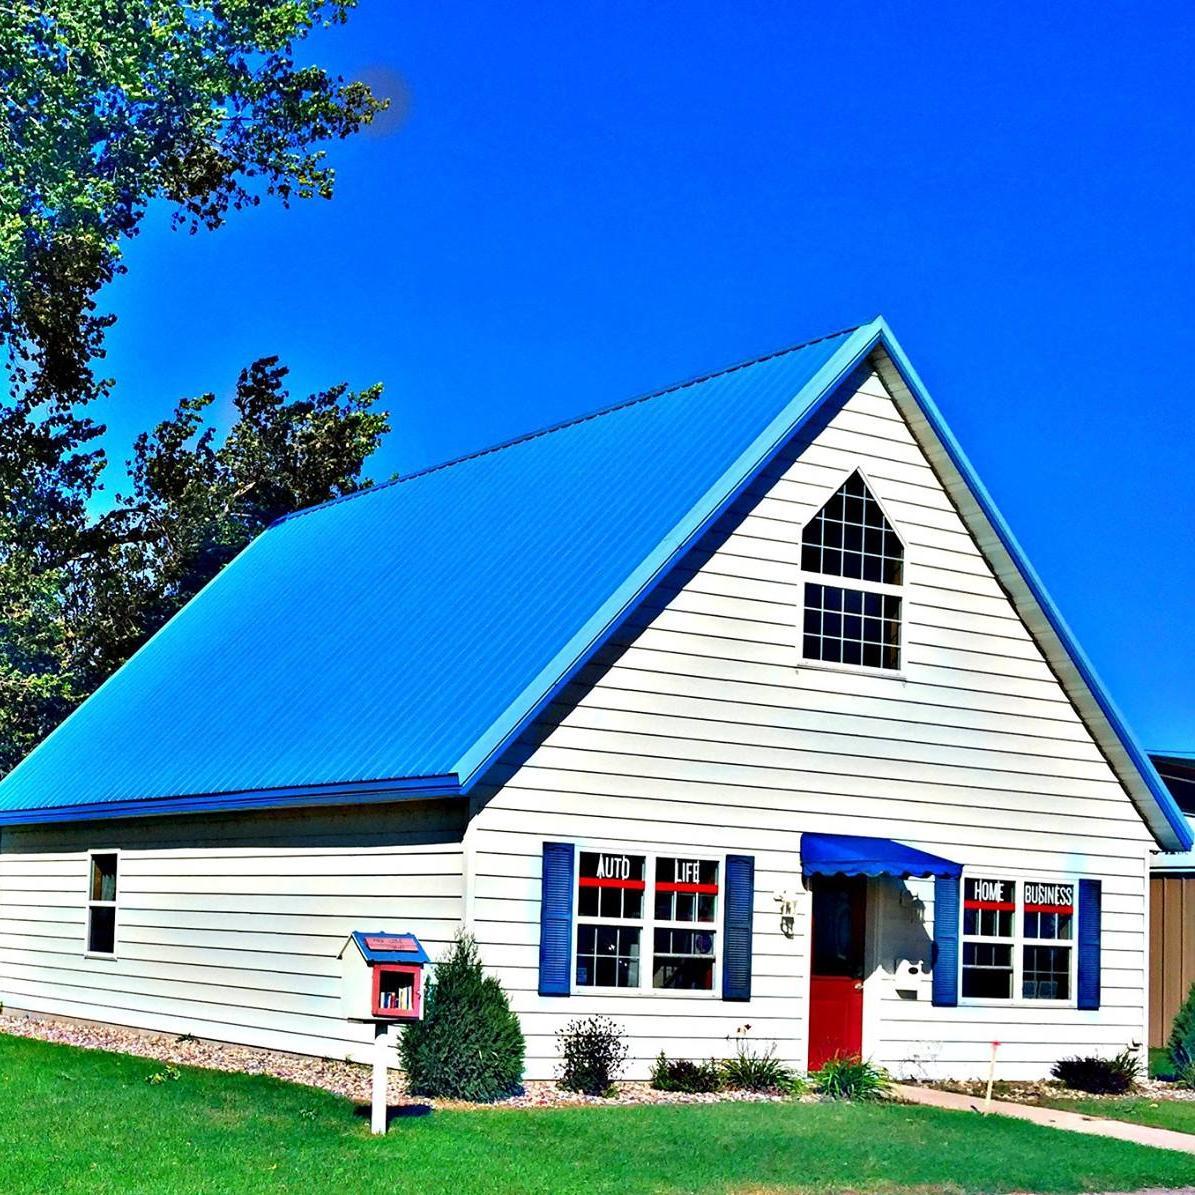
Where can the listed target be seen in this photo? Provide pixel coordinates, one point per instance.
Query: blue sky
(580, 203)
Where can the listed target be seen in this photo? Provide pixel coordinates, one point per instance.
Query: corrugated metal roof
(383, 635)
(395, 641)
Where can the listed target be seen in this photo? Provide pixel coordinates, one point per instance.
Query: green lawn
(1165, 1114)
(85, 1121)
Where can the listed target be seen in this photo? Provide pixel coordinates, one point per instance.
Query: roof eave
(357, 793)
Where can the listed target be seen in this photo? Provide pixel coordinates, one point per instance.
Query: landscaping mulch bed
(349, 1079)
(1035, 1092)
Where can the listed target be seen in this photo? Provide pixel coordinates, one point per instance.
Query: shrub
(1100, 1076)
(1185, 1078)
(753, 1069)
(592, 1053)
(851, 1078)
(1182, 1035)
(469, 1045)
(690, 1077)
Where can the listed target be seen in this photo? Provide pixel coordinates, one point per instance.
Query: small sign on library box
(382, 976)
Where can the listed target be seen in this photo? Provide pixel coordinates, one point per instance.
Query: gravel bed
(1027, 1092)
(349, 1079)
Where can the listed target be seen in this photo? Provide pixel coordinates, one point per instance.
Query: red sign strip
(1049, 908)
(1004, 906)
(595, 882)
(702, 889)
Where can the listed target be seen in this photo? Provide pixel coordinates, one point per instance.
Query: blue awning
(853, 855)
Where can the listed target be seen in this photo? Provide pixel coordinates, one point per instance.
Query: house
(1172, 910)
(733, 704)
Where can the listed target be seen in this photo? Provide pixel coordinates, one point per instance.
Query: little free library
(734, 703)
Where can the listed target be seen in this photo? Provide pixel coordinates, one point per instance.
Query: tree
(196, 503)
(110, 105)
(469, 1045)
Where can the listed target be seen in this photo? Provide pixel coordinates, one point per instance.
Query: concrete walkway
(1073, 1122)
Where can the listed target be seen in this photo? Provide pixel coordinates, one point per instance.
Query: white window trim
(114, 905)
(901, 591)
(1018, 940)
(647, 924)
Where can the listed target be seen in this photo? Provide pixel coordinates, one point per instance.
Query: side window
(989, 919)
(101, 902)
(610, 894)
(854, 566)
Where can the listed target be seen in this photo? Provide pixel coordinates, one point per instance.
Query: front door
(836, 979)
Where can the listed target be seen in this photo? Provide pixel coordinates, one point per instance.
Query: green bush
(851, 1078)
(1182, 1035)
(680, 1075)
(1101, 1076)
(469, 1045)
(753, 1069)
(592, 1053)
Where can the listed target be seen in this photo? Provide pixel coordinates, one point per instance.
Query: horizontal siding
(698, 730)
(228, 927)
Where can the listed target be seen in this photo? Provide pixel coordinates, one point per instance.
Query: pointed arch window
(853, 561)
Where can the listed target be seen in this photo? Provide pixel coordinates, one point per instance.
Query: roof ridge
(560, 425)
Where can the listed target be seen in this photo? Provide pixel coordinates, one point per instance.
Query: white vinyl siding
(698, 729)
(229, 925)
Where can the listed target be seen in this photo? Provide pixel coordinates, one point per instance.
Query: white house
(736, 703)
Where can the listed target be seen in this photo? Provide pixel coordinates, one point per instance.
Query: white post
(378, 1105)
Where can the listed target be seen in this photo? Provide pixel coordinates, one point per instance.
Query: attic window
(851, 539)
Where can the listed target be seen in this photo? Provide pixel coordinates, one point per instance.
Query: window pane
(101, 929)
(607, 956)
(686, 889)
(989, 907)
(1046, 973)
(987, 971)
(611, 885)
(861, 541)
(844, 626)
(103, 877)
(684, 959)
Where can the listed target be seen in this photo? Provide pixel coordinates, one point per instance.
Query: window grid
(850, 538)
(1017, 940)
(851, 626)
(665, 939)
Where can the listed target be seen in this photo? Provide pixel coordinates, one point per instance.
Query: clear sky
(577, 203)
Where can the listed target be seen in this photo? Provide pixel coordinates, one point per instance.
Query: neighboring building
(737, 703)
(1172, 910)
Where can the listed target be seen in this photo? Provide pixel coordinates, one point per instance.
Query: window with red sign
(610, 892)
(1046, 953)
(630, 938)
(686, 901)
(1017, 939)
(989, 915)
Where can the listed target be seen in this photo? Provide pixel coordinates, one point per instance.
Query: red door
(836, 980)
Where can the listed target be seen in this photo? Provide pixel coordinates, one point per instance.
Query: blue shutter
(556, 920)
(736, 938)
(946, 927)
(1090, 896)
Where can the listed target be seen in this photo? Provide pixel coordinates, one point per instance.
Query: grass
(88, 1121)
(1163, 1114)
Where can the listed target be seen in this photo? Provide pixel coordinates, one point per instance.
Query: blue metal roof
(394, 642)
(380, 946)
(397, 634)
